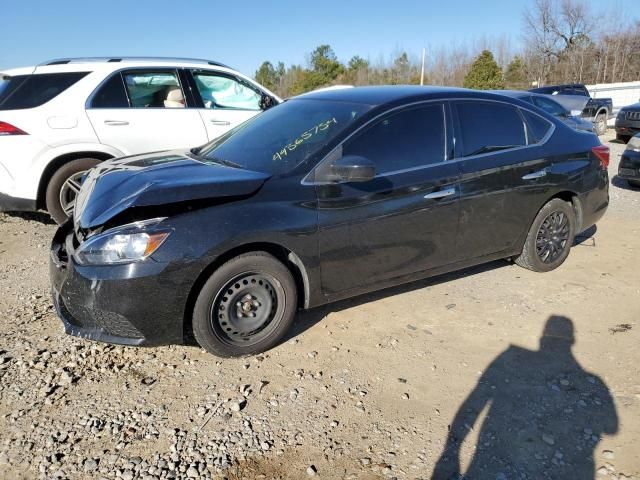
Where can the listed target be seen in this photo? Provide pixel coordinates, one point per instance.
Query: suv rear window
(30, 91)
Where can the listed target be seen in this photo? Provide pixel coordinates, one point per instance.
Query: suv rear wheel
(550, 237)
(64, 186)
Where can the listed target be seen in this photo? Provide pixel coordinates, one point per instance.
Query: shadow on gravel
(308, 318)
(41, 217)
(544, 415)
(621, 183)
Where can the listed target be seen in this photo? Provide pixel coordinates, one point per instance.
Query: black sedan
(324, 197)
(629, 167)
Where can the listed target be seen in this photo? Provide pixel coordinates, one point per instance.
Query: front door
(224, 101)
(138, 111)
(403, 221)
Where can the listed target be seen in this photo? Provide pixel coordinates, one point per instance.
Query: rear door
(143, 110)
(403, 221)
(223, 100)
(503, 175)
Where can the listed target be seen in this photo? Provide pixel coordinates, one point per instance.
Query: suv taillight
(8, 129)
(602, 153)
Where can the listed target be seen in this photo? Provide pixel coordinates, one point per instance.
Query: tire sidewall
(555, 205)
(56, 182)
(259, 262)
(601, 124)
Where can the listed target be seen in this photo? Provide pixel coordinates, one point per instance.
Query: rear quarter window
(537, 127)
(30, 91)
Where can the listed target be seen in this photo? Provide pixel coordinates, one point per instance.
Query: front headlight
(620, 115)
(124, 244)
(634, 144)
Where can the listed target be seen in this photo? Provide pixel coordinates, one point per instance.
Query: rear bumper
(15, 204)
(132, 304)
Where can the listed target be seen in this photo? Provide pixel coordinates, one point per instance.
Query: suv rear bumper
(16, 204)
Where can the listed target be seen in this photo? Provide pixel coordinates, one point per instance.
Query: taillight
(8, 129)
(602, 153)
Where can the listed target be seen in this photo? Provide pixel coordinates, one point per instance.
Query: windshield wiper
(491, 148)
(195, 150)
(226, 163)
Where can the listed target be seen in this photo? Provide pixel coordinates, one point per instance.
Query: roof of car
(378, 95)
(121, 59)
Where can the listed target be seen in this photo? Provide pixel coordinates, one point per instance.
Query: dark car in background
(324, 197)
(551, 107)
(596, 110)
(628, 122)
(629, 167)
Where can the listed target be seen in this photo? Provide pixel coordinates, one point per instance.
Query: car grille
(109, 322)
(633, 115)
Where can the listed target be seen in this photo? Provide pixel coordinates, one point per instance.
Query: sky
(244, 33)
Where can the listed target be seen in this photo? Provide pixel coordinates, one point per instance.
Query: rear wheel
(64, 186)
(550, 237)
(246, 306)
(601, 124)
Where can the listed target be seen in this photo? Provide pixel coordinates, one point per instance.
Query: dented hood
(157, 179)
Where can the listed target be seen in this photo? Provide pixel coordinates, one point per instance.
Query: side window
(537, 127)
(111, 94)
(221, 91)
(488, 127)
(154, 89)
(548, 106)
(407, 139)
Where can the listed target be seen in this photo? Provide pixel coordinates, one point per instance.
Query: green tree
(484, 74)
(516, 76)
(358, 63)
(268, 76)
(325, 68)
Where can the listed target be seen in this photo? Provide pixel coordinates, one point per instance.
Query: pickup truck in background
(597, 110)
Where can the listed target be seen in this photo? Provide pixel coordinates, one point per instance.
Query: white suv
(63, 117)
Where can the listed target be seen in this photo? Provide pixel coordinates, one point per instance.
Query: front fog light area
(119, 247)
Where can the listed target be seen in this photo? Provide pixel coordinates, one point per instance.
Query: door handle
(447, 192)
(116, 123)
(534, 175)
(223, 123)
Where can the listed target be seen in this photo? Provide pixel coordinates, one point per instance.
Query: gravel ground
(444, 371)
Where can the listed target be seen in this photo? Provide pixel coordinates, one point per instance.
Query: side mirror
(353, 168)
(267, 101)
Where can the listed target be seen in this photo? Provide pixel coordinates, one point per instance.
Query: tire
(63, 187)
(237, 313)
(554, 248)
(601, 124)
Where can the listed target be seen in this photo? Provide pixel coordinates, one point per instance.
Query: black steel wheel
(246, 306)
(550, 237)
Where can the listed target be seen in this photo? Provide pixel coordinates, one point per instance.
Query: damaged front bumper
(131, 304)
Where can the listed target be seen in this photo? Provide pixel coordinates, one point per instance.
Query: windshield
(284, 136)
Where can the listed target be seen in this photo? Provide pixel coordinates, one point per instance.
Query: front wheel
(550, 237)
(246, 306)
(64, 186)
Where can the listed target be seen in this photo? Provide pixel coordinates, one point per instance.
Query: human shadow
(544, 415)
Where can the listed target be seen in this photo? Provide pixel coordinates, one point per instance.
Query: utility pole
(422, 72)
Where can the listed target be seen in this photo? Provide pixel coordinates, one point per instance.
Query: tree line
(563, 41)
